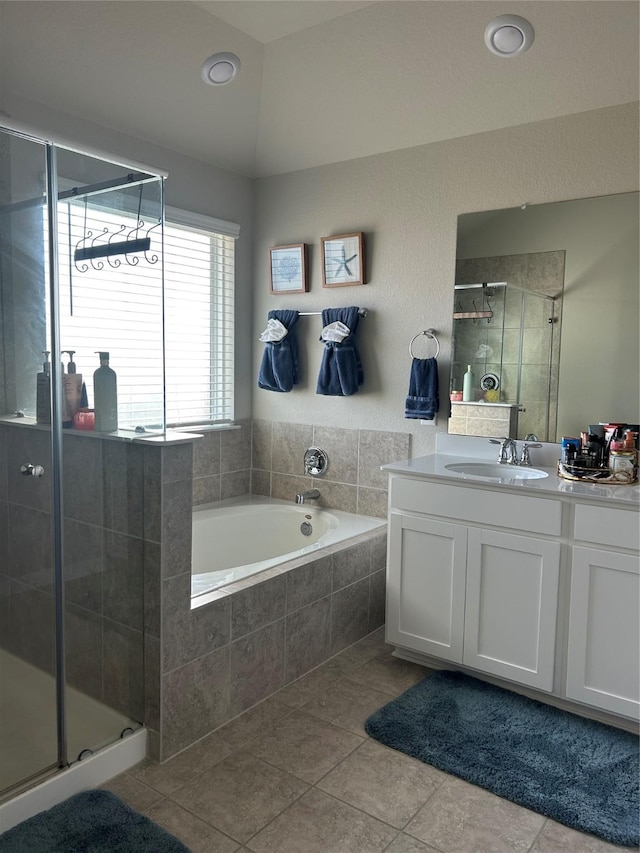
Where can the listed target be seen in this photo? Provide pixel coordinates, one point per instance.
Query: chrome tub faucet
(309, 495)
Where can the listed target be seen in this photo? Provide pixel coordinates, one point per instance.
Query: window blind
(116, 305)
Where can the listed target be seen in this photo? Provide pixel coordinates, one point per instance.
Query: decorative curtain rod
(361, 311)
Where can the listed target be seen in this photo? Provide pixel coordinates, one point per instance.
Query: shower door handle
(29, 470)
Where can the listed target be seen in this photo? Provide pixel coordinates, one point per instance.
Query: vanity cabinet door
(511, 604)
(426, 585)
(603, 658)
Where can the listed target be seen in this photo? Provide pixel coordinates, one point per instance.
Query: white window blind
(116, 305)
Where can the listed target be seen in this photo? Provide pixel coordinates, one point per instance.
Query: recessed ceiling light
(220, 68)
(508, 35)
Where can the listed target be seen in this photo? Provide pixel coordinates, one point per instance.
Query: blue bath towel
(340, 372)
(423, 400)
(279, 367)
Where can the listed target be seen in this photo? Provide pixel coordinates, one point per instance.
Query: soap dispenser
(105, 396)
(43, 391)
(71, 390)
(467, 385)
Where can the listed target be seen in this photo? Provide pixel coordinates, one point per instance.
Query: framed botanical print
(343, 260)
(288, 268)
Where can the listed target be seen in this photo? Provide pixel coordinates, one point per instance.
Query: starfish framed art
(343, 260)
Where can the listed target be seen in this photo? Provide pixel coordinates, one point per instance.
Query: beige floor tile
(240, 795)
(176, 772)
(405, 844)
(138, 795)
(316, 823)
(305, 746)
(360, 653)
(254, 722)
(555, 838)
(346, 705)
(199, 836)
(305, 688)
(391, 675)
(384, 783)
(462, 818)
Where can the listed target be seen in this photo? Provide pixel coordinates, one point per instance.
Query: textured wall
(407, 203)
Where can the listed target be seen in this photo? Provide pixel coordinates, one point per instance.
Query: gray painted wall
(407, 203)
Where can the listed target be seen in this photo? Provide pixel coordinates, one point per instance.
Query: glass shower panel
(539, 362)
(28, 741)
(110, 289)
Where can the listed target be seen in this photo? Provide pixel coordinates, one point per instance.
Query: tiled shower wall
(536, 273)
(103, 562)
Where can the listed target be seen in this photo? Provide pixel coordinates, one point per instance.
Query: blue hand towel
(423, 400)
(279, 367)
(340, 369)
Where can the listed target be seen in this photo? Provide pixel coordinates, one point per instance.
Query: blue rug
(91, 822)
(579, 772)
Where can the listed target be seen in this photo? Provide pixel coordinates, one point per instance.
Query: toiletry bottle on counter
(105, 396)
(622, 461)
(467, 385)
(43, 392)
(71, 390)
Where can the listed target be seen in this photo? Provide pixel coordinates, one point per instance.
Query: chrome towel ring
(430, 333)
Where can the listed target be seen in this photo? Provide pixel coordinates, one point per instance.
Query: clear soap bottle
(43, 392)
(105, 396)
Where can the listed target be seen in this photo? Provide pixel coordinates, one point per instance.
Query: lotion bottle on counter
(467, 385)
(105, 396)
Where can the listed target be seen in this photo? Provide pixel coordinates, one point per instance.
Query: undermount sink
(495, 471)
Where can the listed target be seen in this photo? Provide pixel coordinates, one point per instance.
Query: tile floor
(298, 774)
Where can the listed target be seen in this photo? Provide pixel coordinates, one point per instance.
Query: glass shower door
(28, 701)
(79, 273)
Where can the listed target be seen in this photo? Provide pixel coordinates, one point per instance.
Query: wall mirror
(546, 313)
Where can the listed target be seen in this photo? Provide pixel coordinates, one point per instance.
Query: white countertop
(433, 467)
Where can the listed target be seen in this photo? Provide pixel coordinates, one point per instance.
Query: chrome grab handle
(30, 470)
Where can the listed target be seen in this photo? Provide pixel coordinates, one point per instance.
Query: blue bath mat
(91, 822)
(579, 772)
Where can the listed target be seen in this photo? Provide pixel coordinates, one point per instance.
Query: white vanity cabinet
(463, 591)
(539, 587)
(603, 652)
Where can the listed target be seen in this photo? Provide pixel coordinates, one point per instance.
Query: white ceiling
(321, 81)
(268, 20)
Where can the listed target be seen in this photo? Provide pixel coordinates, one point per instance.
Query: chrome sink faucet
(525, 461)
(508, 453)
(310, 495)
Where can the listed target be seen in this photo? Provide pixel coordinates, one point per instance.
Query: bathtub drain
(306, 529)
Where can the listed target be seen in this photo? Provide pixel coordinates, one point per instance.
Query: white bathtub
(238, 540)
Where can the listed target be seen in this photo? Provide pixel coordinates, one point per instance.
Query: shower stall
(510, 337)
(78, 235)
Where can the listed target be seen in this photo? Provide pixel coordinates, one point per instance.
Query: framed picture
(288, 268)
(343, 260)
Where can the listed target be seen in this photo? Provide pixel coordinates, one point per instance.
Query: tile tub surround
(488, 419)
(353, 481)
(222, 464)
(220, 659)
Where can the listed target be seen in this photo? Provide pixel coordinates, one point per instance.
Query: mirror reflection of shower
(509, 339)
